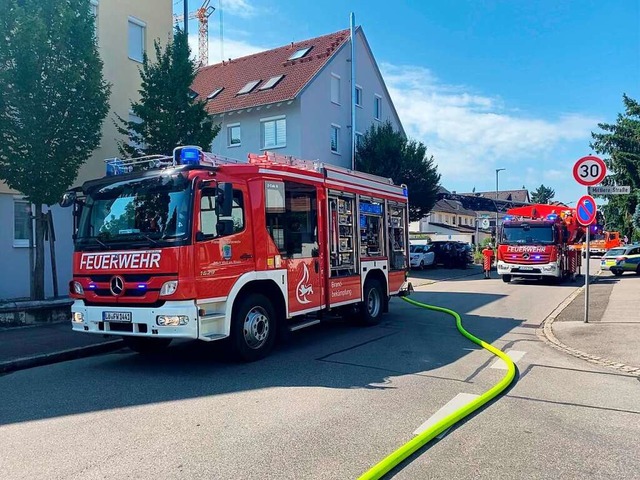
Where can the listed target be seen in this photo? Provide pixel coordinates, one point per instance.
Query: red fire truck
(200, 247)
(537, 241)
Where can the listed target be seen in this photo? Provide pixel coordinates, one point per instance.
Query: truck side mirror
(68, 199)
(224, 227)
(224, 199)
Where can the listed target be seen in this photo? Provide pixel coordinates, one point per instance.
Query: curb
(62, 356)
(431, 282)
(546, 332)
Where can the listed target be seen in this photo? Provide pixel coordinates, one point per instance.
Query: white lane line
(453, 404)
(514, 355)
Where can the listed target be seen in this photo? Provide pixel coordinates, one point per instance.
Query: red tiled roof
(235, 74)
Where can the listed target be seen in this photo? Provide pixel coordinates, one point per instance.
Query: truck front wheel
(253, 328)
(506, 278)
(146, 346)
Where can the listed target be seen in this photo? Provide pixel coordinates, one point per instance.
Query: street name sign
(586, 210)
(589, 170)
(610, 190)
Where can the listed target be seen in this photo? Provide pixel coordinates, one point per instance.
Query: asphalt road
(333, 401)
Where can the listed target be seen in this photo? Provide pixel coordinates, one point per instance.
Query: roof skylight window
(272, 82)
(248, 87)
(300, 53)
(213, 94)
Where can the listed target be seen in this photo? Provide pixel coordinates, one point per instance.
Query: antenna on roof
(221, 32)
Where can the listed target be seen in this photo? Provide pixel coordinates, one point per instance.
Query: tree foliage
(168, 111)
(542, 194)
(619, 143)
(53, 100)
(388, 153)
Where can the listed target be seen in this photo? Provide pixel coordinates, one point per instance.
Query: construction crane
(202, 15)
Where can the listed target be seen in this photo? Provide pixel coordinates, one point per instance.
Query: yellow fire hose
(402, 453)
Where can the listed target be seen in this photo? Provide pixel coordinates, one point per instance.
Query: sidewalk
(610, 338)
(31, 346)
(612, 335)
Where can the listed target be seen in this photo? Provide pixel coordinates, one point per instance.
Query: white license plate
(116, 317)
(526, 269)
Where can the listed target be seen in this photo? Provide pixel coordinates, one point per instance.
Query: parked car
(452, 254)
(622, 259)
(421, 255)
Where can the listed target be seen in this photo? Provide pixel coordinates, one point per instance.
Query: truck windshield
(152, 211)
(527, 234)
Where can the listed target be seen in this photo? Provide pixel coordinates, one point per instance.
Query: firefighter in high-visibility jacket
(487, 255)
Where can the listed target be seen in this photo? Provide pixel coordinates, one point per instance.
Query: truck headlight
(169, 288)
(77, 288)
(78, 317)
(172, 320)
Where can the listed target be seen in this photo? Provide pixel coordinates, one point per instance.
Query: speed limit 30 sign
(589, 171)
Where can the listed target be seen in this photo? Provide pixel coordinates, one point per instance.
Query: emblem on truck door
(304, 288)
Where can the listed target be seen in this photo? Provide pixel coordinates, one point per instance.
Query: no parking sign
(586, 210)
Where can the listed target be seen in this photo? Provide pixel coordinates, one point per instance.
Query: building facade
(124, 30)
(296, 100)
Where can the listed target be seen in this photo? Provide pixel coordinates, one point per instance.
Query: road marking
(454, 404)
(514, 355)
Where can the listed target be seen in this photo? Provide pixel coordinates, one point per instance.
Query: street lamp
(498, 170)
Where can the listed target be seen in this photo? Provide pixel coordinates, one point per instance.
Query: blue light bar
(405, 192)
(142, 286)
(115, 167)
(92, 286)
(552, 217)
(190, 156)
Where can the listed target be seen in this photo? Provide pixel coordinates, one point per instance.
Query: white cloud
(232, 48)
(240, 8)
(470, 134)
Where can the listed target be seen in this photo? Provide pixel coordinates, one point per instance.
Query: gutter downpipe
(352, 21)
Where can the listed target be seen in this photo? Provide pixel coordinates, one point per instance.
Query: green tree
(53, 100)
(388, 153)
(619, 143)
(542, 194)
(168, 110)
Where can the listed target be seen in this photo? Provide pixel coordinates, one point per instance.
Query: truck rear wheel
(372, 303)
(506, 278)
(253, 328)
(146, 346)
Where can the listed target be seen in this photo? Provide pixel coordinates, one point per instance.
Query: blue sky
(484, 84)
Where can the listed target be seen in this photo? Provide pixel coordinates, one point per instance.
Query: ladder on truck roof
(270, 158)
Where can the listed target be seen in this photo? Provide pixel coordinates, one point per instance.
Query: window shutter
(269, 134)
(281, 131)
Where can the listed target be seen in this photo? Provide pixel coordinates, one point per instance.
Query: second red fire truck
(538, 241)
(198, 247)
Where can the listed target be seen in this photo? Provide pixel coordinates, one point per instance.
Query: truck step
(304, 324)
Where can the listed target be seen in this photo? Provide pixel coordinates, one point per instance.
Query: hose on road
(402, 453)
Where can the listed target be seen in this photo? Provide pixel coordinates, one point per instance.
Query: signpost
(588, 171)
(610, 190)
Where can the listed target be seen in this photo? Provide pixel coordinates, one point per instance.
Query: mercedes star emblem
(526, 256)
(116, 285)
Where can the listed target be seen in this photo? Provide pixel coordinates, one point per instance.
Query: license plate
(116, 316)
(526, 269)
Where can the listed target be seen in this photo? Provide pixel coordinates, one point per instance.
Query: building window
(359, 138)
(274, 132)
(358, 96)
(93, 9)
(136, 39)
(439, 218)
(215, 93)
(377, 107)
(248, 87)
(335, 88)
(300, 53)
(335, 135)
(133, 140)
(233, 135)
(272, 82)
(21, 219)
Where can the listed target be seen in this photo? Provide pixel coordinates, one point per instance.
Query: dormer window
(213, 94)
(300, 53)
(248, 87)
(272, 82)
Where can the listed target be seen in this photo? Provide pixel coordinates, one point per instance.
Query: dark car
(452, 254)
